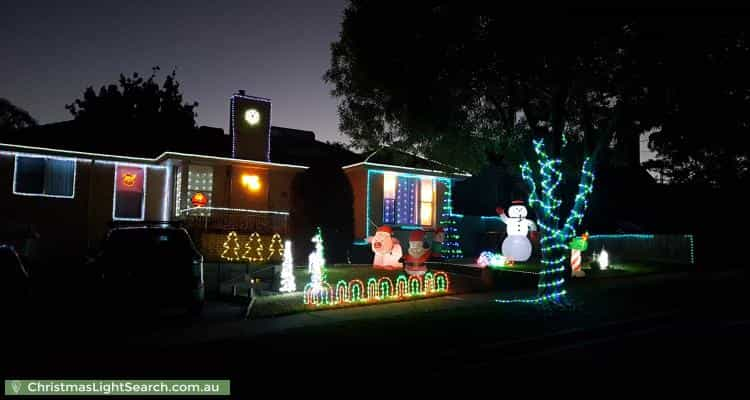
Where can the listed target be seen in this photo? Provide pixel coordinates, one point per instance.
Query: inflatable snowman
(517, 246)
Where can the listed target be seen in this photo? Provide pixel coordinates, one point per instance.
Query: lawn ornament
(417, 254)
(387, 249)
(517, 245)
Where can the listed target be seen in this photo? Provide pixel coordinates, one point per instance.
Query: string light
(287, 270)
(231, 247)
(381, 289)
(546, 202)
(275, 247)
(258, 256)
(451, 246)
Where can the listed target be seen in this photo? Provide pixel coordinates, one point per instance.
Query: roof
(288, 146)
(389, 157)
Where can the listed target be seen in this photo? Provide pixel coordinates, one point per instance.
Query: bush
(322, 197)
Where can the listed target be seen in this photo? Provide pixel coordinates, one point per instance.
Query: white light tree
(316, 262)
(287, 270)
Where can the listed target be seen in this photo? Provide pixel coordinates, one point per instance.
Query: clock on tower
(250, 126)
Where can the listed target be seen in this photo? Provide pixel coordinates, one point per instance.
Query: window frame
(45, 158)
(417, 200)
(144, 168)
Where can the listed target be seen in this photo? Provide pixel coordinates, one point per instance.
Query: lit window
(200, 180)
(389, 198)
(408, 200)
(43, 176)
(251, 182)
(129, 199)
(427, 194)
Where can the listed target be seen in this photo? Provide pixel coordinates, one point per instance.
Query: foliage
(13, 118)
(322, 197)
(146, 117)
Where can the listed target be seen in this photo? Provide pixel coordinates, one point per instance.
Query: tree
(438, 79)
(146, 118)
(703, 137)
(13, 118)
(322, 197)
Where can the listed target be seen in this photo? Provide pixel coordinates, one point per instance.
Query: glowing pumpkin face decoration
(128, 179)
(199, 200)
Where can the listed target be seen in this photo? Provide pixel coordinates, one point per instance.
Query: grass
(502, 279)
(288, 303)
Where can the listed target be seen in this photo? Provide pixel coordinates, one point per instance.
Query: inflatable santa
(417, 254)
(387, 250)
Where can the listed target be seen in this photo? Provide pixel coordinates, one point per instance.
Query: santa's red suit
(417, 255)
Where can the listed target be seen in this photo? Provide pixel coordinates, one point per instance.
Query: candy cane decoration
(575, 264)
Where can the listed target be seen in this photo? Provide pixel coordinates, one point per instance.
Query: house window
(426, 199)
(44, 176)
(200, 180)
(408, 200)
(130, 189)
(389, 198)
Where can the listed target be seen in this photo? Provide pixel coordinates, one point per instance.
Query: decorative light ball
(252, 116)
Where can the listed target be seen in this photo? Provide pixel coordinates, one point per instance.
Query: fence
(677, 249)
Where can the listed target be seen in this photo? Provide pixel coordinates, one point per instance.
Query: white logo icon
(16, 385)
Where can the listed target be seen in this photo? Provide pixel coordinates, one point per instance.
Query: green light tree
(555, 232)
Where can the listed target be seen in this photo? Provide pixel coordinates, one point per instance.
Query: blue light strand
(545, 200)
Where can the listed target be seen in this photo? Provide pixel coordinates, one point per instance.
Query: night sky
(275, 49)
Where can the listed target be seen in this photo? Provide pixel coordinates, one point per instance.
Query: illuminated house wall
(370, 199)
(69, 226)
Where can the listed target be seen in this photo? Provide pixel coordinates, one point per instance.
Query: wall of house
(69, 228)
(60, 222)
(358, 179)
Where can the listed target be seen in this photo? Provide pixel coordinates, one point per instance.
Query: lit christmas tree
(316, 262)
(231, 248)
(555, 233)
(274, 249)
(287, 270)
(253, 253)
(451, 246)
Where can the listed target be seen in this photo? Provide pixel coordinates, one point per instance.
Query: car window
(148, 242)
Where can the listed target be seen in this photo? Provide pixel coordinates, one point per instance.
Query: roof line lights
(409, 168)
(285, 213)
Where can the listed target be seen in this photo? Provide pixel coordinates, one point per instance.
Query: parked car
(15, 287)
(151, 267)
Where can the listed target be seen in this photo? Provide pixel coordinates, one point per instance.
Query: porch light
(251, 182)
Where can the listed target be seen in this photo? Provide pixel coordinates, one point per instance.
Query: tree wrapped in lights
(451, 247)
(287, 270)
(555, 233)
(316, 262)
